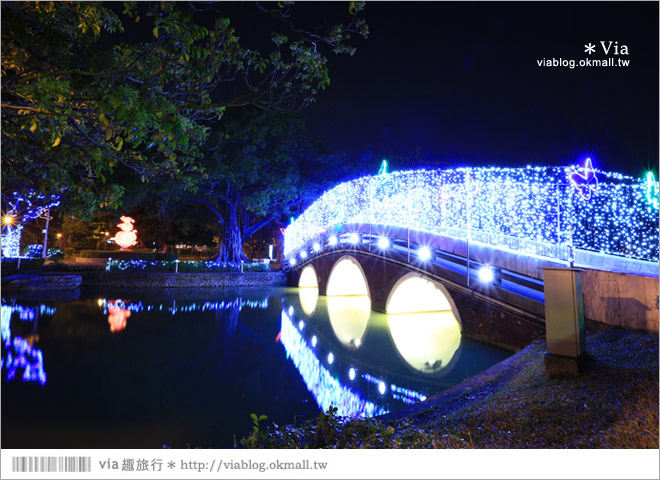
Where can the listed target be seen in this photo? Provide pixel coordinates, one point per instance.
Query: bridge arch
(349, 303)
(346, 278)
(424, 324)
(414, 293)
(308, 278)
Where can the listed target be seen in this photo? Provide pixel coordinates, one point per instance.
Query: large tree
(77, 104)
(260, 167)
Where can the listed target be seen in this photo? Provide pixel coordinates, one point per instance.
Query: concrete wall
(181, 280)
(621, 300)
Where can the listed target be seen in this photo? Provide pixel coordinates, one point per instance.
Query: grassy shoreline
(613, 404)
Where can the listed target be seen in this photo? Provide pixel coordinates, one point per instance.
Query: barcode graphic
(51, 464)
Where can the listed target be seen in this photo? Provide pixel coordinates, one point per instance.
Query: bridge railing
(534, 210)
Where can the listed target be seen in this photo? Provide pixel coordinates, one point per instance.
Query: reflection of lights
(353, 238)
(308, 299)
(332, 241)
(19, 352)
(419, 337)
(314, 340)
(183, 307)
(383, 243)
(351, 373)
(486, 274)
(331, 358)
(424, 253)
(303, 254)
(382, 388)
(316, 247)
(325, 388)
(349, 318)
(117, 317)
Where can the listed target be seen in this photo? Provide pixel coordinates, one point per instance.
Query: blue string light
(532, 210)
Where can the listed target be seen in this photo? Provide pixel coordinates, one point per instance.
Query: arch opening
(308, 278)
(424, 324)
(308, 289)
(349, 304)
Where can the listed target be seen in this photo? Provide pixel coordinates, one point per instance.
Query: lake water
(141, 369)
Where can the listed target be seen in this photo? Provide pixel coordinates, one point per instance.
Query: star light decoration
(544, 211)
(20, 210)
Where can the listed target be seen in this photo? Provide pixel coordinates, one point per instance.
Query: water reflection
(117, 316)
(308, 299)
(325, 387)
(349, 317)
(19, 352)
(428, 342)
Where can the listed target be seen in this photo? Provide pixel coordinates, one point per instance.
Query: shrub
(33, 251)
(55, 254)
(117, 265)
(69, 251)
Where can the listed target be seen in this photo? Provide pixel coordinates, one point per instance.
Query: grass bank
(613, 404)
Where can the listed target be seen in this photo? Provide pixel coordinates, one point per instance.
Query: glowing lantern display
(126, 237)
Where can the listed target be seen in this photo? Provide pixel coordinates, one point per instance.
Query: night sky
(460, 81)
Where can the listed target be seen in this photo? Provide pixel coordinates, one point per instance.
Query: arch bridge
(473, 241)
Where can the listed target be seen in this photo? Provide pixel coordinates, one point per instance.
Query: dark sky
(461, 82)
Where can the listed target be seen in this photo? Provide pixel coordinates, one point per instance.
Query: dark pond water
(132, 369)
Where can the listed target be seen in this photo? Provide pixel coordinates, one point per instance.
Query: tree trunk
(231, 240)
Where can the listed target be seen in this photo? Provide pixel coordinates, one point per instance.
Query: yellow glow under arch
(347, 278)
(424, 324)
(308, 278)
(349, 305)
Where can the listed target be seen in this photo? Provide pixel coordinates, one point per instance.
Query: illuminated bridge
(472, 242)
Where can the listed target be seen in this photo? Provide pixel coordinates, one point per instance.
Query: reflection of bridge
(480, 236)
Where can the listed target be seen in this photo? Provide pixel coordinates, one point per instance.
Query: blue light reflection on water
(189, 367)
(19, 353)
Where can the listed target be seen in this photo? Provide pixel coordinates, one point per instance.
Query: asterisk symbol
(171, 464)
(590, 48)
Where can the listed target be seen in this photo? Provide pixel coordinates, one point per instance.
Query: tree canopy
(77, 105)
(258, 168)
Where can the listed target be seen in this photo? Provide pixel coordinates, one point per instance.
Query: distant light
(486, 274)
(422, 398)
(382, 388)
(331, 358)
(357, 342)
(314, 340)
(301, 325)
(351, 373)
(292, 261)
(383, 243)
(353, 238)
(424, 253)
(303, 254)
(316, 247)
(7, 219)
(332, 241)
(291, 311)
